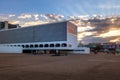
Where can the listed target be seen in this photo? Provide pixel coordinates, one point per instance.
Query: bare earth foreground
(71, 67)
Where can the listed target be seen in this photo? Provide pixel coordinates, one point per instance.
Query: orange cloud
(85, 34)
(33, 23)
(115, 40)
(15, 22)
(110, 33)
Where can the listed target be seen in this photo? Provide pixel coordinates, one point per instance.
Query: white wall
(9, 49)
(72, 39)
(81, 50)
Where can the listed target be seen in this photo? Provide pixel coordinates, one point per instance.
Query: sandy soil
(71, 67)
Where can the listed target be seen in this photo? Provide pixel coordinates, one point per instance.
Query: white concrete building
(46, 37)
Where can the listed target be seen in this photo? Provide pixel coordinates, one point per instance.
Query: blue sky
(65, 7)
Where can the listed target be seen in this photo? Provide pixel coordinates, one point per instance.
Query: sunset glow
(115, 40)
(111, 33)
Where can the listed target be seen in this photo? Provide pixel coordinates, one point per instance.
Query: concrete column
(18, 26)
(6, 24)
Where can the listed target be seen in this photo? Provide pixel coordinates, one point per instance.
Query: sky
(65, 7)
(107, 30)
(33, 12)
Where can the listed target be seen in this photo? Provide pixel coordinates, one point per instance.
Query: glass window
(41, 45)
(27, 46)
(51, 45)
(31, 46)
(57, 45)
(46, 45)
(36, 45)
(64, 45)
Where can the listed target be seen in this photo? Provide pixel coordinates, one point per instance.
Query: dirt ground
(70, 67)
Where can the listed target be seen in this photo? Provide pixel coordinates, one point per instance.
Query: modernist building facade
(51, 36)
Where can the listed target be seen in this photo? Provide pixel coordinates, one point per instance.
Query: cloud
(89, 29)
(93, 39)
(72, 17)
(40, 19)
(36, 16)
(110, 33)
(99, 30)
(81, 17)
(82, 35)
(3, 17)
(116, 39)
(44, 16)
(11, 15)
(14, 22)
(99, 25)
(25, 16)
(34, 23)
(53, 17)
